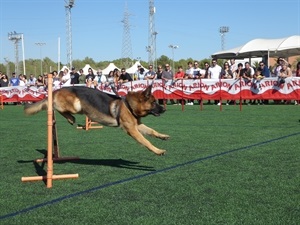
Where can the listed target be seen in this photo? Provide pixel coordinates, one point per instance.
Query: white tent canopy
(110, 67)
(134, 68)
(86, 68)
(283, 47)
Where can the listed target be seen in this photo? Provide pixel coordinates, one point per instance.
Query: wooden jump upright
(89, 125)
(51, 138)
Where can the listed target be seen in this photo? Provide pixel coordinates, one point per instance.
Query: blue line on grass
(138, 177)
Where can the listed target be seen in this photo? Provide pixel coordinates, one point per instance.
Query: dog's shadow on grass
(119, 163)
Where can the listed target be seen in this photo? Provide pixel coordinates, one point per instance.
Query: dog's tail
(34, 108)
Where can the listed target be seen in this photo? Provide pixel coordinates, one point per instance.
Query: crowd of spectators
(115, 78)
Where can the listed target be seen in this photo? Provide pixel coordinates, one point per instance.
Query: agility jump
(52, 141)
(89, 125)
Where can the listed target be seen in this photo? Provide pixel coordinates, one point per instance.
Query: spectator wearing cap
(74, 76)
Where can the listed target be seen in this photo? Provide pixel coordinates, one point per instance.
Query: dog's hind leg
(151, 132)
(68, 116)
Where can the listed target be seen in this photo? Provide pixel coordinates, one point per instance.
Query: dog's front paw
(160, 152)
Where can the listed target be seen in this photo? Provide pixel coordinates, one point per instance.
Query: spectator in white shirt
(66, 78)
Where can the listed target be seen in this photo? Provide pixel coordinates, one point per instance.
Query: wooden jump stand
(52, 145)
(89, 125)
(88, 122)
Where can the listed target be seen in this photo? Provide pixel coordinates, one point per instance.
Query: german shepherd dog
(106, 109)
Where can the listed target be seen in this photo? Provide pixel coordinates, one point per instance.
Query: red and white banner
(210, 89)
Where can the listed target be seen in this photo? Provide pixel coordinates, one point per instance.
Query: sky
(97, 30)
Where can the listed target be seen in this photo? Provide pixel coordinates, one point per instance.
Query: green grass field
(221, 167)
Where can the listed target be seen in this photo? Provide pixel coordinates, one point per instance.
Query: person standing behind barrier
(89, 78)
(248, 72)
(4, 82)
(233, 66)
(214, 73)
(150, 75)
(14, 80)
(136, 74)
(179, 75)
(166, 76)
(31, 80)
(158, 77)
(197, 71)
(110, 79)
(81, 77)
(297, 73)
(23, 80)
(247, 75)
(66, 79)
(74, 76)
(40, 81)
(285, 72)
(56, 80)
(238, 72)
(124, 77)
(226, 72)
(102, 79)
(189, 73)
(141, 74)
(264, 70)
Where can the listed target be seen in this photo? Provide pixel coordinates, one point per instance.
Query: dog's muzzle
(157, 110)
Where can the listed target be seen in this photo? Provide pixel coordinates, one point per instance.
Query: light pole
(223, 30)
(173, 47)
(41, 44)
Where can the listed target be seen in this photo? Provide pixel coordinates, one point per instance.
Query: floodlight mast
(223, 30)
(69, 5)
(151, 48)
(173, 47)
(16, 37)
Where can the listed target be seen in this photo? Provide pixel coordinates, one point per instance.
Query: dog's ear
(147, 92)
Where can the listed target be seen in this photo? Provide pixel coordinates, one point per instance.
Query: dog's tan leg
(133, 132)
(151, 132)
